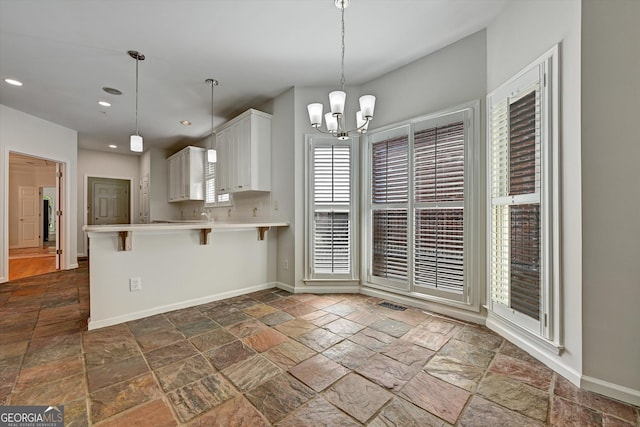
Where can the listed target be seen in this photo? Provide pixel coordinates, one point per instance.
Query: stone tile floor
(274, 358)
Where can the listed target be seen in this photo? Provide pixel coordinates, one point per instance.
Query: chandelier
(335, 119)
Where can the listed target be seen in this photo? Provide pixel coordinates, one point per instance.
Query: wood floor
(27, 262)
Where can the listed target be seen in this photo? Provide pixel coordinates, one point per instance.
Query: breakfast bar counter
(138, 270)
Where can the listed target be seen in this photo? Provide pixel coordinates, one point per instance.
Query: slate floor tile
(318, 372)
(399, 412)
(251, 372)
(319, 339)
(234, 412)
(169, 354)
(387, 372)
(391, 327)
(372, 339)
(357, 397)
(349, 354)
(288, 354)
(183, 372)
(279, 396)
(515, 395)
(436, 396)
(265, 339)
(318, 413)
(229, 354)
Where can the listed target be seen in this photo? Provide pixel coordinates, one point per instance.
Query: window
(331, 204)
(419, 198)
(211, 198)
(522, 198)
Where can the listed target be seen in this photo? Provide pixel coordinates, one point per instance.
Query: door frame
(62, 205)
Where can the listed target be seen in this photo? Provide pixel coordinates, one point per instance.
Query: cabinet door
(184, 175)
(173, 179)
(243, 150)
(196, 158)
(224, 161)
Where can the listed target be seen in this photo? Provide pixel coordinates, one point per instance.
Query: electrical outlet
(135, 284)
(285, 264)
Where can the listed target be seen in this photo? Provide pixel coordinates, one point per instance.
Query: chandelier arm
(320, 130)
(359, 128)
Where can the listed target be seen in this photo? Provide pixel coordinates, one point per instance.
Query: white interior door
(110, 202)
(28, 217)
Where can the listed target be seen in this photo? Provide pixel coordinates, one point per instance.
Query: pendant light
(212, 155)
(135, 142)
(334, 120)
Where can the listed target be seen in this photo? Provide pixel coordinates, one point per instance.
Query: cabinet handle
(240, 186)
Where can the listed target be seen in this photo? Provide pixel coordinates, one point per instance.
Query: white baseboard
(465, 315)
(547, 354)
(73, 266)
(286, 287)
(175, 306)
(319, 288)
(615, 391)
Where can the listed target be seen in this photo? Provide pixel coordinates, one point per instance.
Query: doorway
(108, 201)
(34, 197)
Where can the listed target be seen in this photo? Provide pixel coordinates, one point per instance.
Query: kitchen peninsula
(138, 270)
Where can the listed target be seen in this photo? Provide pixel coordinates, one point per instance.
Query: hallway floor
(274, 358)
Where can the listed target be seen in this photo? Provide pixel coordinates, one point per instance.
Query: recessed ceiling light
(13, 82)
(104, 103)
(113, 146)
(112, 91)
(185, 122)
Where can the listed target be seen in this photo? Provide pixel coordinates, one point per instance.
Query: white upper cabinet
(244, 153)
(186, 174)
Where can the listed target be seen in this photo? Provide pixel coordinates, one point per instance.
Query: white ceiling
(65, 51)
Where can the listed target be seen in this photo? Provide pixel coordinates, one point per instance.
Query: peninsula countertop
(182, 225)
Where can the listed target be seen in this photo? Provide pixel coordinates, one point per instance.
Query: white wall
(523, 32)
(610, 196)
(104, 165)
(23, 133)
(282, 200)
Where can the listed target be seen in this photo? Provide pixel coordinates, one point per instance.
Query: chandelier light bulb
(367, 104)
(315, 114)
(336, 100)
(331, 122)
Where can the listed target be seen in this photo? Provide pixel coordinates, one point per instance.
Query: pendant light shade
(212, 155)
(135, 142)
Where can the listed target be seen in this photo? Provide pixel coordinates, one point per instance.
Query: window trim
(549, 329)
(474, 213)
(311, 278)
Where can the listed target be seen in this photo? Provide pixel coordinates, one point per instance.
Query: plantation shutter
(331, 175)
(390, 222)
(515, 212)
(439, 207)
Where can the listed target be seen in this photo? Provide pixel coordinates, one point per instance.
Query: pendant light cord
(137, 56)
(342, 80)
